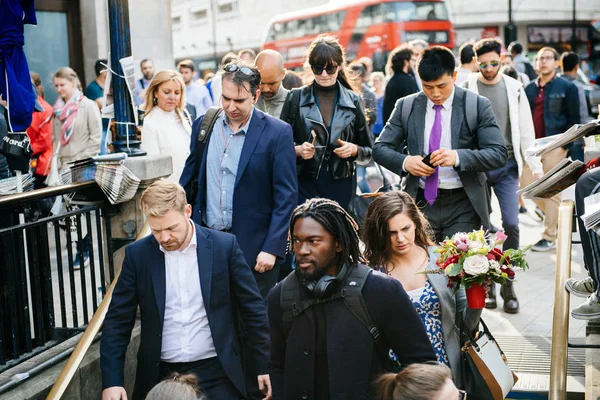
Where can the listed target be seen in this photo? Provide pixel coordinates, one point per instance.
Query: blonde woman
(77, 127)
(167, 126)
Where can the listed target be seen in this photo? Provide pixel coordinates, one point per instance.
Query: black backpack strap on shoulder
(289, 300)
(206, 126)
(352, 295)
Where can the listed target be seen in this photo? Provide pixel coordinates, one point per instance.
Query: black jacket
(400, 85)
(349, 124)
(352, 356)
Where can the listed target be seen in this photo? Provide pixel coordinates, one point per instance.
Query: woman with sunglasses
(398, 242)
(329, 124)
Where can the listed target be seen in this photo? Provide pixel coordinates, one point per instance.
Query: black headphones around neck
(328, 284)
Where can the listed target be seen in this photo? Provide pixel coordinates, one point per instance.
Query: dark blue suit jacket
(266, 188)
(227, 285)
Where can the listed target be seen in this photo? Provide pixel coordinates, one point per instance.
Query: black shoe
(522, 210)
(511, 303)
(544, 245)
(490, 301)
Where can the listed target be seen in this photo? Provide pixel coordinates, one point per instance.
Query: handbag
(485, 371)
(360, 203)
(16, 148)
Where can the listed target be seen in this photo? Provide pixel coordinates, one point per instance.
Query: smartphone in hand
(426, 160)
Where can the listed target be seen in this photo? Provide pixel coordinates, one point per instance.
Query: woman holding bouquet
(398, 241)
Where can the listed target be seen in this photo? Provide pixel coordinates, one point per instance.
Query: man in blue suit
(246, 182)
(190, 283)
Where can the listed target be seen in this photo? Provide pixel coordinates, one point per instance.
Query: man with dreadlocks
(333, 319)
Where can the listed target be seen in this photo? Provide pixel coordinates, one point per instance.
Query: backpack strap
(407, 107)
(352, 295)
(206, 126)
(293, 98)
(471, 109)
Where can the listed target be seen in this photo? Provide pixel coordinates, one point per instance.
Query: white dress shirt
(186, 335)
(447, 176)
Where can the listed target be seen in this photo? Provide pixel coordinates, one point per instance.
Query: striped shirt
(223, 158)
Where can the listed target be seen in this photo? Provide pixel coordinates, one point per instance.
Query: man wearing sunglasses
(513, 115)
(450, 187)
(246, 181)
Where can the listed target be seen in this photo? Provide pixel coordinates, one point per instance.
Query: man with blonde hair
(190, 283)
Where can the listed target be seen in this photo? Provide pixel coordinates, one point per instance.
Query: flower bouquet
(469, 259)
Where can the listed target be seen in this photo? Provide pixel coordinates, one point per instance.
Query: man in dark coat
(401, 62)
(324, 352)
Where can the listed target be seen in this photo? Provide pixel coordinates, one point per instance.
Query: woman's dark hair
(376, 232)
(291, 80)
(398, 57)
(510, 71)
(435, 62)
(415, 382)
(485, 46)
(326, 50)
(336, 221)
(239, 77)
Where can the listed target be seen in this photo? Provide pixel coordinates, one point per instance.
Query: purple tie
(431, 182)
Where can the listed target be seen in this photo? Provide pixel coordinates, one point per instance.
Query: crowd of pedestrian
(265, 169)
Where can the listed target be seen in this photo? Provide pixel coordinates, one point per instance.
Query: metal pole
(574, 27)
(213, 13)
(560, 320)
(120, 47)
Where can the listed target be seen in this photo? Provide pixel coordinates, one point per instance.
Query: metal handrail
(67, 373)
(560, 321)
(49, 191)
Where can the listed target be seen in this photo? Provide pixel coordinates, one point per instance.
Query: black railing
(44, 298)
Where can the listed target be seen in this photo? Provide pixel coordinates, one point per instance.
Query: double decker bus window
(418, 11)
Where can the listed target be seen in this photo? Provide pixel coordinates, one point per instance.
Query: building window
(176, 23)
(228, 8)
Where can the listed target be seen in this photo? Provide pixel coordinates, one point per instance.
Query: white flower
(476, 265)
(495, 265)
(475, 245)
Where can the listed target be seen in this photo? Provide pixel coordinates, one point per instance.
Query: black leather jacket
(349, 124)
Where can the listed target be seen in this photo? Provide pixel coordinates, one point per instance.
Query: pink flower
(500, 237)
(461, 240)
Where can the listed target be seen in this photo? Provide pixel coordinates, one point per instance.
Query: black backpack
(292, 303)
(530, 71)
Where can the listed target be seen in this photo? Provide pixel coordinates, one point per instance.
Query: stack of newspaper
(566, 172)
(117, 182)
(562, 176)
(9, 185)
(591, 218)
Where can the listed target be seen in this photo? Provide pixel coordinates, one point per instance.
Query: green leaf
(454, 269)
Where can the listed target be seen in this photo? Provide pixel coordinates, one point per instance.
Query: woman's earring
(155, 101)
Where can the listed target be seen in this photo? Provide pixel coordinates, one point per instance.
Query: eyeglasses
(244, 70)
(318, 70)
(462, 395)
(484, 65)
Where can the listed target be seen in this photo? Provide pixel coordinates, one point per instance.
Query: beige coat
(87, 134)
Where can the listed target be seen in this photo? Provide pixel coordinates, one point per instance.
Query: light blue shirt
(223, 158)
(199, 97)
(138, 88)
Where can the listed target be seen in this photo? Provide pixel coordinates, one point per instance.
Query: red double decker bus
(369, 28)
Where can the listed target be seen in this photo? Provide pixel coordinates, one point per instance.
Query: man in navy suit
(247, 182)
(191, 284)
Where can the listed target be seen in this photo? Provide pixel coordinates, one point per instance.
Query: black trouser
(451, 212)
(212, 379)
(589, 183)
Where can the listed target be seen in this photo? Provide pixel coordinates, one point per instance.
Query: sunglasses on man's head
(242, 69)
(484, 65)
(318, 70)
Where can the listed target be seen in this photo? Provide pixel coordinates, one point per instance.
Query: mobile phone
(426, 160)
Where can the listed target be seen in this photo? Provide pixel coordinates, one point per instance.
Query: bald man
(272, 93)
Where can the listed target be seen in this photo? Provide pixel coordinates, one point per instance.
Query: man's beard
(305, 277)
(492, 78)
